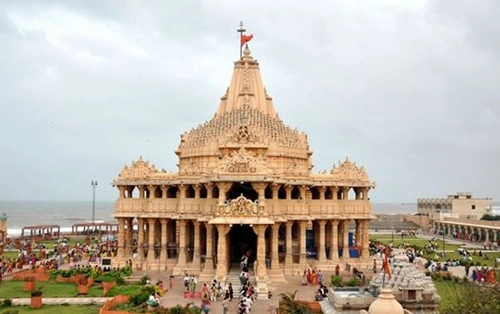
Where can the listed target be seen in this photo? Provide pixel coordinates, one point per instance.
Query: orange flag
(387, 268)
(245, 39)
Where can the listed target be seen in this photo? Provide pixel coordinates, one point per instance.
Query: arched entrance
(242, 240)
(242, 188)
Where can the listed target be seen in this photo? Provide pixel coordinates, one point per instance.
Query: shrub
(7, 302)
(144, 279)
(336, 281)
(353, 282)
(142, 296)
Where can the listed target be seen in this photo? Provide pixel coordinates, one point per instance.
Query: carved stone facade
(245, 186)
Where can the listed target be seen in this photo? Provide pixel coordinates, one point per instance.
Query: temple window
(340, 194)
(268, 193)
(328, 194)
(215, 192)
(190, 192)
(203, 192)
(172, 191)
(295, 193)
(351, 194)
(315, 193)
(282, 193)
(158, 193)
(146, 193)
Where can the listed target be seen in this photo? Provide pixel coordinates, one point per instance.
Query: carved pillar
(152, 190)
(196, 245)
(164, 240)
(365, 250)
(141, 191)
(209, 259)
(303, 190)
(321, 247)
(322, 190)
(288, 191)
(335, 191)
(365, 193)
(275, 262)
(181, 261)
(128, 237)
(345, 193)
(275, 188)
(289, 250)
(121, 238)
(140, 238)
(210, 189)
(261, 250)
(334, 251)
(196, 189)
(222, 192)
(345, 238)
(122, 191)
(164, 190)
(221, 269)
(261, 191)
(151, 240)
(357, 236)
(182, 190)
(302, 258)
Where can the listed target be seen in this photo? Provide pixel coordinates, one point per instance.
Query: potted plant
(36, 298)
(29, 283)
(83, 286)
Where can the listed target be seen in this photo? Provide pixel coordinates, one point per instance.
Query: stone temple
(244, 185)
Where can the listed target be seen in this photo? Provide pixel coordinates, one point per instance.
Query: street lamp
(443, 242)
(94, 184)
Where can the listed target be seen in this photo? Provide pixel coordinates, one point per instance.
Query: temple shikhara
(245, 186)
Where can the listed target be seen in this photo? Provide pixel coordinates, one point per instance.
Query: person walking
(225, 305)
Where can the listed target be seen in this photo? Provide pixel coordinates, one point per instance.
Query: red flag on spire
(245, 39)
(387, 268)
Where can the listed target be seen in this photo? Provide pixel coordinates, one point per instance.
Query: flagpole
(241, 30)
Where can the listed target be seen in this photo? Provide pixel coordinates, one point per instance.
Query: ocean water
(65, 214)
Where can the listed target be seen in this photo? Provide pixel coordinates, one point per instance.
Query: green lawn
(451, 250)
(49, 309)
(10, 289)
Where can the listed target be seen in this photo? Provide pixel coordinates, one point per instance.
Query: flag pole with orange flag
(243, 38)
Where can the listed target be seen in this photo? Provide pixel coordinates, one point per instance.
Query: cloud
(407, 89)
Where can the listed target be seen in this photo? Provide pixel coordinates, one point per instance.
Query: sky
(408, 89)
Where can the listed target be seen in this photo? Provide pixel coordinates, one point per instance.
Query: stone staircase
(234, 278)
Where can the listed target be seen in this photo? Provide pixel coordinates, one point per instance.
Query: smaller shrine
(412, 288)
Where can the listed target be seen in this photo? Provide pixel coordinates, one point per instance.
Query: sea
(67, 213)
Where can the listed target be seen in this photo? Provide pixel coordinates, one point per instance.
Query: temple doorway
(242, 240)
(242, 188)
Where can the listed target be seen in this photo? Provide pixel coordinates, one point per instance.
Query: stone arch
(328, 194)
(158, 192)
(215, 192)
(203, 192)
(190, 193)
(351, 194)
(340, 193)
(242, 188)
(268, 192)
(295, 193)
(172, 241)
(281, 193)
(172, 191)
(315, 193)
(491, 235)
(129, 191)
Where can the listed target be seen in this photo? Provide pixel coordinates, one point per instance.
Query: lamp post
(443, 242)
(94, 184)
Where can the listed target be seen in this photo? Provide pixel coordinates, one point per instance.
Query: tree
(289, 305)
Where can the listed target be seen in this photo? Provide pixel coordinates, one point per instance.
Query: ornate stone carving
(348, 170)
(242, 161)
(241, 207)
(139, 169)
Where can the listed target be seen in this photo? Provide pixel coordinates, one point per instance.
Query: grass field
(10, 289)
(451, 250)
(50, 309)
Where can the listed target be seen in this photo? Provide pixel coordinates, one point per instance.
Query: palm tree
(289, 305)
